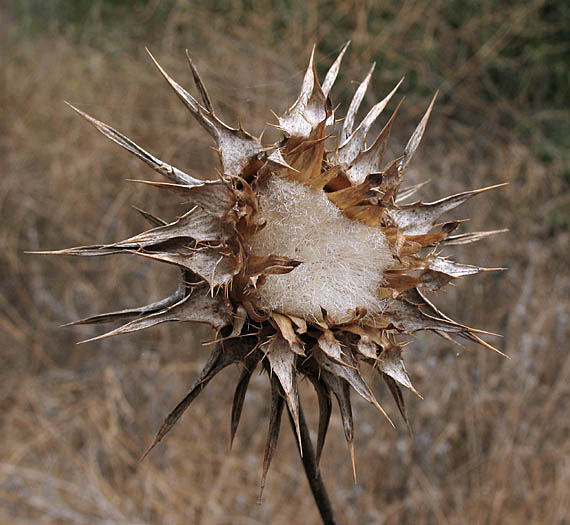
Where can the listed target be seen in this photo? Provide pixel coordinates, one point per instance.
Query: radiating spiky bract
(303, 256)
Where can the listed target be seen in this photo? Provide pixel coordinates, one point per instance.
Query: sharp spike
(200, 113)
(132, 312)
(197, 307)
(419, 218)
(352, 460)
(350, 117)
(468, 238)
(354, 144)
(240, 391)
(152, 219)
(416, 137)
(96, 250)
(273, 432)
(178, 176)
(200, 85)
(399, 399)
(489, 346)
(333, 71)
(282, 364)
(221, 357)
(325, 410)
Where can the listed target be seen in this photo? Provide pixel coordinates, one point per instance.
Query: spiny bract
(303, 257)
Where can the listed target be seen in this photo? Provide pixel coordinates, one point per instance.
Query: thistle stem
(312, 471)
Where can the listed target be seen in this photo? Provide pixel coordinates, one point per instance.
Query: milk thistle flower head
(307, 256)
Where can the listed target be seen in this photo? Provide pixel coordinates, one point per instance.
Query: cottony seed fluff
(342, 260)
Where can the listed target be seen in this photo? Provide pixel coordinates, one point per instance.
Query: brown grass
(491, 438)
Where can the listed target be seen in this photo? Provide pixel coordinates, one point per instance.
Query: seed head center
(342, 260)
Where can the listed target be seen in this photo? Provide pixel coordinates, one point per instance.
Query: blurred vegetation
(491, 437)
(529, 64)
(513, 56)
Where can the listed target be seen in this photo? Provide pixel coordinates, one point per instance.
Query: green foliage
(530, 66)
(83, 20)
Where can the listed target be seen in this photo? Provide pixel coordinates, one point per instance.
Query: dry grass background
(491, 441)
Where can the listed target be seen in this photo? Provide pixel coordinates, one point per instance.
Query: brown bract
(222, 277)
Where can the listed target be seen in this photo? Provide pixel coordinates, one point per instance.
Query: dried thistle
(305, 258)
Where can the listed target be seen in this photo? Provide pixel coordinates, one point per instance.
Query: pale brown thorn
(352, 460)
(149, 449)
(489, 346)
(200, 85)
(379, 407)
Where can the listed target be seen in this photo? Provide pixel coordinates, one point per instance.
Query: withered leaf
(325, 410)
(356, 194)
(212, 264)
(214, 197)
(284, 323)
(341, 390)
(331, 347)
(270, 264)
(352, 375)
(196, 224)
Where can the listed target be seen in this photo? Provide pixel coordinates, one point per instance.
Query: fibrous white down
(342, 260)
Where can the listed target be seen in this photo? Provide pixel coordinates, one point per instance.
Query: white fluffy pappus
(342, 260)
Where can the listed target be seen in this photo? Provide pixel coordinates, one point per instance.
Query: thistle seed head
(306, 258)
